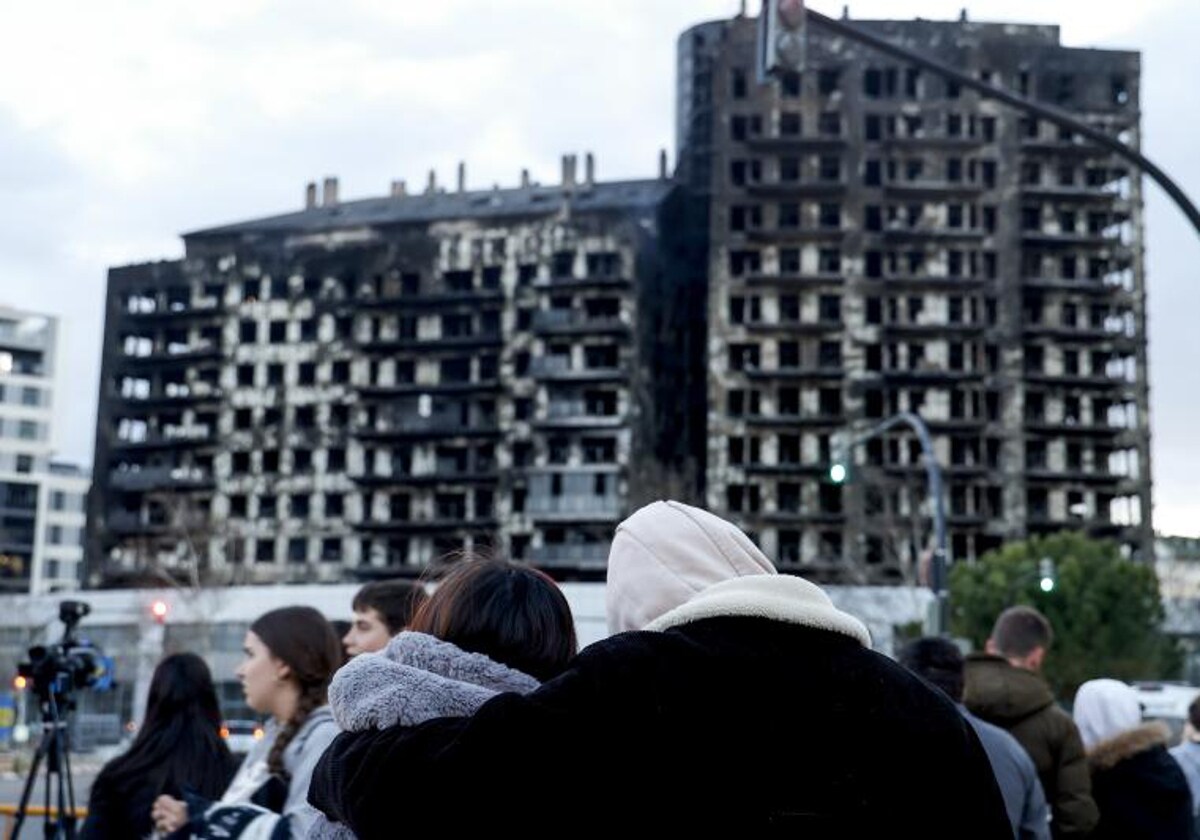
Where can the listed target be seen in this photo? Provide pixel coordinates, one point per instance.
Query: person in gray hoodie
(491, 626)
(730, 699)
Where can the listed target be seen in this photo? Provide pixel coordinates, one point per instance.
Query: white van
(1167, 702)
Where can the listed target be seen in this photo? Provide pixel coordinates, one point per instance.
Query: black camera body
(57, 670)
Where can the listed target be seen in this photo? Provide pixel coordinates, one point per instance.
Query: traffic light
(159, 610)
(782, 33)
(839, 461)
(1046, 574)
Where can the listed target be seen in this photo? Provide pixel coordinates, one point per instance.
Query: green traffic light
(837, 473)
(1047, 584)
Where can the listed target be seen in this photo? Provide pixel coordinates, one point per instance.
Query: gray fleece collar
(417, 678)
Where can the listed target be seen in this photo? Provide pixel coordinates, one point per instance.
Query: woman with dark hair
(178, 748)
(290, 656)
(490, 626)
(506, 611)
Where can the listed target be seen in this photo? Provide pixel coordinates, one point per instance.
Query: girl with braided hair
(290, 656)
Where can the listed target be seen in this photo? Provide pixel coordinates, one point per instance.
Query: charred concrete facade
(881, 241)
(362, 387)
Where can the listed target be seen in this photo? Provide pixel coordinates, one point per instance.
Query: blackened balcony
(1081, 285)
(559, 368)
(161, 477)
(795, 278)
(571, 321)
(177, 310)
(931, 188)
(399, 424)
(784, 188)
(176, 354)
(576, 415)
(570, 556)
(169, 437)
(576, 508)
(131, 522)
(796, 143)
(430, 300)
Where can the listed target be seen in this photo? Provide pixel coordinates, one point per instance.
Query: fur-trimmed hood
(1107, 754)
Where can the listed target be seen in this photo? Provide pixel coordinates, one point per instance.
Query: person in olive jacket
(747, 703)
(1004, 688)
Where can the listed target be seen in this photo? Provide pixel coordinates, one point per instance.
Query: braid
(311, 697)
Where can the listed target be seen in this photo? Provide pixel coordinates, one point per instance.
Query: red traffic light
(159, 610)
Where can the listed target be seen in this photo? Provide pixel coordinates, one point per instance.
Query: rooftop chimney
(330, 197)
(962, 16)
(662, 164)
(310, 195)
(431, 186)
(462, 176)
(589, 170)
(568, 171)
(399, 189)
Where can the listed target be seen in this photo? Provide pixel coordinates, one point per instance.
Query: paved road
(10, 793)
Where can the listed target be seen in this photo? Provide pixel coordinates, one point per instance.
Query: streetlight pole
(933, 474)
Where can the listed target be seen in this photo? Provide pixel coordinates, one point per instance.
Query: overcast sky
(125, 123)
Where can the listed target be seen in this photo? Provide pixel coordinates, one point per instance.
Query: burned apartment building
(882, 240)
(361, 388)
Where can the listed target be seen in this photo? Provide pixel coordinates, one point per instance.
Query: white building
(41, 503)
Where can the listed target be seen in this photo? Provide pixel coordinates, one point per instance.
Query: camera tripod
(54, 749)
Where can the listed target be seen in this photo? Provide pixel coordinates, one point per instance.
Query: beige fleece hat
(664, 554)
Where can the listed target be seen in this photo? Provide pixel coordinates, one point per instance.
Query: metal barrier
(9, 813)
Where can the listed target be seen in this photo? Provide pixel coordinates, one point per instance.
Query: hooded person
(1140, 789)
(730, 698)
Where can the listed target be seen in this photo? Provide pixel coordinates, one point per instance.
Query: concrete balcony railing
(578, 413)
(550, 366)
(152, 477)
(601, 507)
(581, 555)
(571, 320)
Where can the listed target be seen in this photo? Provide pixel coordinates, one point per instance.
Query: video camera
(73, 663)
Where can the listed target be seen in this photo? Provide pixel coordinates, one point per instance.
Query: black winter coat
(1140, 789)
(119, 808)
(735, 724)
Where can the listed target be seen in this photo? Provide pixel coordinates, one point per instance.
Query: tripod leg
(69, 803)
(50, 823)
(23, 805)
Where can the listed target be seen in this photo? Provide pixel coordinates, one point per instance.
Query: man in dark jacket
(1003, 687)
(748, 704)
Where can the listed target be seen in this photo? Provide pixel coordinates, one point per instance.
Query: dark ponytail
(305, 641)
